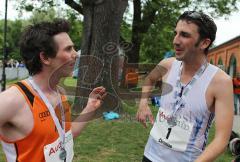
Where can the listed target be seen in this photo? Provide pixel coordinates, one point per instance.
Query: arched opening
(233, 73)
(211, 61)
(220, 64)
(232, 66)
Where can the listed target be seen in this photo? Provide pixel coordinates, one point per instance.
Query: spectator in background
(236, 88)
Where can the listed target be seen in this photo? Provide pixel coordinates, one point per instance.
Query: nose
(75, 54)
(176, 40)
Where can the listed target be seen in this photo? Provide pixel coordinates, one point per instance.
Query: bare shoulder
(222, 78)
(221, 81)
(164, 66)
(167, 63)
(161, 70)
(11, 94)
(12, 97)
(11, 102)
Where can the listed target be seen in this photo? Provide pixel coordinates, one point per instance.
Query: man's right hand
(144, 113)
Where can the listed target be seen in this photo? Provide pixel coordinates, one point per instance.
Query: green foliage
(76, 31)
(158, 38)
(15, 28)
(215, 7)
(30, 6)
(38, 16)
(51, 13)
(125, 31)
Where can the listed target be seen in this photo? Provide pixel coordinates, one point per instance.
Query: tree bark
(74, 6)
(140, 26)
(99, 56)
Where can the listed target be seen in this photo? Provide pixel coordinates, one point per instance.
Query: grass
(9, 82)
(121, 140)
(69, 81)
(117, 141)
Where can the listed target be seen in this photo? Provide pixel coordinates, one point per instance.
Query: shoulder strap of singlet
(27, 92)
(173, 71)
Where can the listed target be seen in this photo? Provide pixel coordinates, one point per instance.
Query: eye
(69, 48)
(74, 47)
(174, 33)
(185, 34)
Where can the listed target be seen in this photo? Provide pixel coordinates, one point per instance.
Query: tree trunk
(99, 56)
(142, 20)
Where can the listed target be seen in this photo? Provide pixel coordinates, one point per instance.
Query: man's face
(64, 61)
(186, 41)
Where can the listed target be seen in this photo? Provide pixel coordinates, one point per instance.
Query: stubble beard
(181, 57)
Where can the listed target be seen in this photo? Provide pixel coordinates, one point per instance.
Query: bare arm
(156, 74)
(11, 101)
(223, 92)
(94, 102)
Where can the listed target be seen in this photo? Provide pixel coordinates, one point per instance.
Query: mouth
(178, 51)
(71, 64)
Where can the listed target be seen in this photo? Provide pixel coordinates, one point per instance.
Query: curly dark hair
(206, 26)
(38, 38)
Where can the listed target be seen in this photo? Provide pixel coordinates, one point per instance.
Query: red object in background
(131, 77)
(236, 85)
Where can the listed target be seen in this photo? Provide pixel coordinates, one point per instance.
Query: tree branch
(149, 15)
(136, 15)
(92, 2)
(75, 6)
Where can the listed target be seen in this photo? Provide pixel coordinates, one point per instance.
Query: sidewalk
(236, 123)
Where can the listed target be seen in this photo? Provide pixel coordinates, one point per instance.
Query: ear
(205, 43)
(44, 59)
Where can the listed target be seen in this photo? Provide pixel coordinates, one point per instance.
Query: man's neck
(191, 67)
(45, 82)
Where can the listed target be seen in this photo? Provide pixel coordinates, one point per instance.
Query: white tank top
(195, 110)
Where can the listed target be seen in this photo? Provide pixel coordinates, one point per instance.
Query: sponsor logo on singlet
(43, 115)
(180, 123)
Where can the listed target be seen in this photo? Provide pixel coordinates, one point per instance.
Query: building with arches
(227, 57)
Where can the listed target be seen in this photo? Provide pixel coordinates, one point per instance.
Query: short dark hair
(39, 38)
(206, 26)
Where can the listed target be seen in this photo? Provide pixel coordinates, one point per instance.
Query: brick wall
(226, 52)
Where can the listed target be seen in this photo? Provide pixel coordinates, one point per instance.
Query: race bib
(53, 151)
(175, 136)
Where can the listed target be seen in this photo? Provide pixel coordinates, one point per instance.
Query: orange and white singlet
(43, 142)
